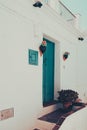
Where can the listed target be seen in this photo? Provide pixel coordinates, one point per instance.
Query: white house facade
(22, 30)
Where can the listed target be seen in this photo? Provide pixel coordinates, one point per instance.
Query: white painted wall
(82, 69)
(69, 66)
(22, 27)
(76, 121)
(20, 82)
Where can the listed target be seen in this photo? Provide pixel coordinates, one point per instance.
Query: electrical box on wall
(7, 113)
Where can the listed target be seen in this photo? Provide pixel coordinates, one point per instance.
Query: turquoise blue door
(48, 72)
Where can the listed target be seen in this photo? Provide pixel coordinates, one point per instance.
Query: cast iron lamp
(38, 4)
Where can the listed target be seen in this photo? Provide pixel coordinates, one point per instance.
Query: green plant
(67, 96)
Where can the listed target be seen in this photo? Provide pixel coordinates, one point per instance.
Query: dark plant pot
(67, 106)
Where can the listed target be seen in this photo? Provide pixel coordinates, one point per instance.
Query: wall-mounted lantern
(65, 55)
(80, 38)
(38, 3)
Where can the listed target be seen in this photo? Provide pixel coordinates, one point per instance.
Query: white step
(43, 125)
(48, 109)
